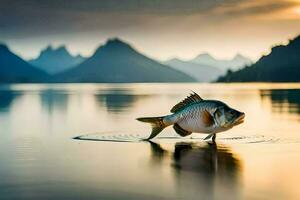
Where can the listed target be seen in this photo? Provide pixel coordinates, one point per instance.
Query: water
(40, 159)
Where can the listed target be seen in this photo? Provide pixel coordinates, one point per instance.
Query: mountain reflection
(6, 99)
(116, 100)
(206, 165)
(287, 100)
(54, 100)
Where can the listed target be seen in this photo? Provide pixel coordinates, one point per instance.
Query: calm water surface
(40, 159)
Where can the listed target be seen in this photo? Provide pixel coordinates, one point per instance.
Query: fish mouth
(240, 119)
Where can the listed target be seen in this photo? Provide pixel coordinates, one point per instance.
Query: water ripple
(248, 139)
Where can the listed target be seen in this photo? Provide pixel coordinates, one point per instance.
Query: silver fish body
(191, 118)
(195, 115)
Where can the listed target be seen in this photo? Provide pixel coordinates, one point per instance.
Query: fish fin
(181, 131)
(194, 97)
(209, 136)
(156, 123)
(207, 118)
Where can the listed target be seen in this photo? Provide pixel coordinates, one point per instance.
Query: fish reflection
(214, 168)
(287, 100)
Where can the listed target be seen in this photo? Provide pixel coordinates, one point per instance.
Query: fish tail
(157, 124)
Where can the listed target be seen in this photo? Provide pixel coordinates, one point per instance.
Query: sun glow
(297, 10)
(291, 13)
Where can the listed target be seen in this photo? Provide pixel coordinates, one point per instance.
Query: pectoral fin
(207, 118)
(181, 131)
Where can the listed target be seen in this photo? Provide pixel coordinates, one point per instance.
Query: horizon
(159, 30)
(59, 46)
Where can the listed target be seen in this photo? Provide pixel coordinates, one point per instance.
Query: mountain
(15, 69)
(201, 72)
(281, 65)
(56, 60)
(237, 62)
(118, 62)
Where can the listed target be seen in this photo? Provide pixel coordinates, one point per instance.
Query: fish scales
(194, 114)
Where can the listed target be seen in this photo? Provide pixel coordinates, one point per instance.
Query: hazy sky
(159, 28)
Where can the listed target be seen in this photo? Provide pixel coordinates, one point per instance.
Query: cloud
(164, 7)
(30, 18)
(175, 27)
(33, 18)
(254, 8)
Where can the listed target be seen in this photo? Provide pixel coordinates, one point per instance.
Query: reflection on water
(54, 100)
(209, 160)
(206, 164)
(287, 100)
(116, 100)
(40, 160)
(6, 99)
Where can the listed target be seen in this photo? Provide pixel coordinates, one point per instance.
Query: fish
(196, 115)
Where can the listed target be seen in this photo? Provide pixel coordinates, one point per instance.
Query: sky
(161, 29)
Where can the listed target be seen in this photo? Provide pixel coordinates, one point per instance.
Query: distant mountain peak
(205, 55)
(62, 48)
(48, 48)
(54, 60)
(200, 72)
(175, 59)
(79, 56)
(114, 45)
(116, 42)
(280, 65)
(239, 56)
(236, 62)
(51, 49)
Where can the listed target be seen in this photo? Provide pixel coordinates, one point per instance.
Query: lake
(258, 159)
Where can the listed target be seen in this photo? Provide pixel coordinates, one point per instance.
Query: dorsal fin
(194, 97)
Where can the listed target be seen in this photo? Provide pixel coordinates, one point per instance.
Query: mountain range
(237, 62)
(56, 60)
(281, 65)
(118, 62)
(206, 68)
(14, 69)
(201, 72)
